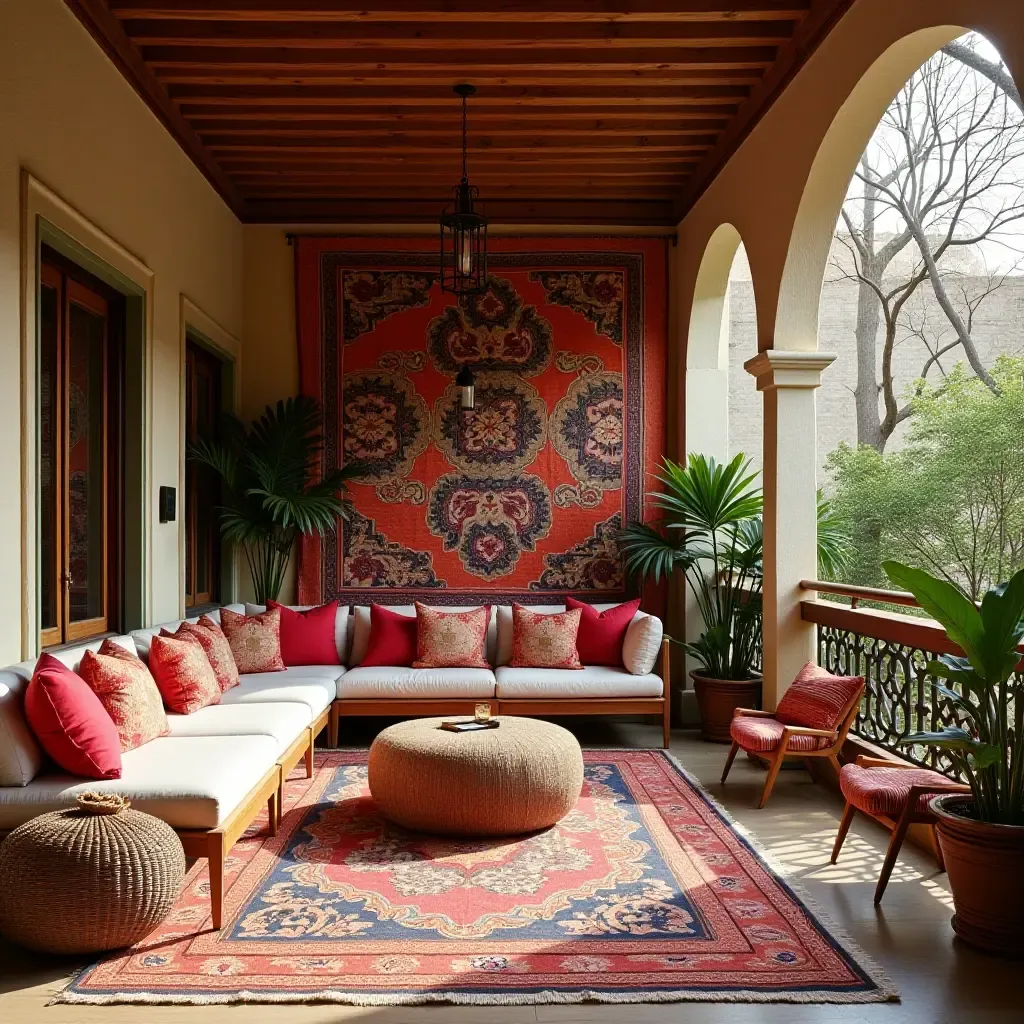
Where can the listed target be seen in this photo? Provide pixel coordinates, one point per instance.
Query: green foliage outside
(951, 500)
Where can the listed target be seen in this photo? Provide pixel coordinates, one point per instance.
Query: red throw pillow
(218, 651)
(183, 673)
(307, 638)
(599, 641)
(451, 639)
(392, 638)
(70, 722)
(817, 699)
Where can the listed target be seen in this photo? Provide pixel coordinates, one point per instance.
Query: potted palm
(711, 531)
(268, 497)
(981, 834)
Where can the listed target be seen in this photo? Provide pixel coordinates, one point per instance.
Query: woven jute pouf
(522, 776)
(90, 878)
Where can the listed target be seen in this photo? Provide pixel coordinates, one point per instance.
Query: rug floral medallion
(643, 893)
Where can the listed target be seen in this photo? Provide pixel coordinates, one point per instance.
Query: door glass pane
(49, 370)
(86, 477)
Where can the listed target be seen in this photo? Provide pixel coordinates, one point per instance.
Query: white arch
(796, 317)
(707, 348)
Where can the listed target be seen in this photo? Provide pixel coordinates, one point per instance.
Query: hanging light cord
(465, 174)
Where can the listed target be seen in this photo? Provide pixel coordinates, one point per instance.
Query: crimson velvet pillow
(307, 638)
(817, 699)
(70, 722)
(601, 634)
(392, 638)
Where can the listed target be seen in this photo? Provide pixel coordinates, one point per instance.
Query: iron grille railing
(892, 652)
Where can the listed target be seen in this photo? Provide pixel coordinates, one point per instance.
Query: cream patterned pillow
(451, 639)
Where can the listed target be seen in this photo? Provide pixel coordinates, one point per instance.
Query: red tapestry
(523, 497)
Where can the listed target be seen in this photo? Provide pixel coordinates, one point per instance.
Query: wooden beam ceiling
(588, 111)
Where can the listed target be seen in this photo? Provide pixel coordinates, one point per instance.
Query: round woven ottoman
(87, 879)
(520, 777)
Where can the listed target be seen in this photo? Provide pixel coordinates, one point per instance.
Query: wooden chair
(896, 794)
(812, 720)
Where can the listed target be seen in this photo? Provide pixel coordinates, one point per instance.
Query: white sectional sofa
(216, 770)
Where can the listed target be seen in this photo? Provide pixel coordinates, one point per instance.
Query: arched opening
(917, 419)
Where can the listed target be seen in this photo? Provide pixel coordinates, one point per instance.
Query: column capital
(777, 368)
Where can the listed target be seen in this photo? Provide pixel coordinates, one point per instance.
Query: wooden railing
(892, 652)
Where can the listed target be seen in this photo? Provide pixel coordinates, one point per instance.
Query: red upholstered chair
(895, 794)
(812, 720)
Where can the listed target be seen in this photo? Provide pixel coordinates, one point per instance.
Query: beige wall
(70, 119)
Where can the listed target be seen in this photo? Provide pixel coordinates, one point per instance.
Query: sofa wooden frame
(527, 707)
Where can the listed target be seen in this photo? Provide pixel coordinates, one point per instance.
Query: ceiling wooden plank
(464, 10)
(626, 212)
(203, 114)
(435, 129)
(313, 35)
(104, 27)
(534, 95)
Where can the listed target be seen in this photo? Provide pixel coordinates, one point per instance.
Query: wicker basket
(91, 878)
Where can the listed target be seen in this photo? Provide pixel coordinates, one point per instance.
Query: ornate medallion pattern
(493, 330)
(588, 430)
(372, 295)
(386, 424)
(489, 520)
(501, 435)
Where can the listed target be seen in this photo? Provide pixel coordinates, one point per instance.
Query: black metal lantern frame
(463, 228)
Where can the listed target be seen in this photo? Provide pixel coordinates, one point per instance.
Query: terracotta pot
(718, 699)
(985, 864)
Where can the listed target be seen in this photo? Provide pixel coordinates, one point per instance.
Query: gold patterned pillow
(545, 641)
(451, 639)
(127, 691)
(255, 640)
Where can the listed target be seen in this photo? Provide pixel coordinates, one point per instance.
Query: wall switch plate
(168, 504)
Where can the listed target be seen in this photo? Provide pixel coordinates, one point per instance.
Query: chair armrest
(865, 761)
(802, 730)
(752, 713)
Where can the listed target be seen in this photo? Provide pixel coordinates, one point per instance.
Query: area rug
(646, 892)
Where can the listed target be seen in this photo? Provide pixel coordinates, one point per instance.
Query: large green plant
(987, 742)
(268, 497)
(711, 530)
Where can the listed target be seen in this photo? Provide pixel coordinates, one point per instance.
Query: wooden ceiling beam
(400, 210)
(618, 94)
(462, 63)
(200, 114)
(617, 11)
(434, 38)
(524, 143)
(412, 130)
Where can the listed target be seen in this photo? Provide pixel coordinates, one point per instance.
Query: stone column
(788, 380)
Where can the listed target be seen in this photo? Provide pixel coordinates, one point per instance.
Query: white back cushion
(340, 622)
(20, 755)
(641, 644)
(361, 627)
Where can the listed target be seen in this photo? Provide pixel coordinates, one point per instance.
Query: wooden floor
(941, 981)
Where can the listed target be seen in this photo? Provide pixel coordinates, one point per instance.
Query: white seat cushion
(292, 686)
(384, 682)
(283, 723)
(188, 781)
(561, 683)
